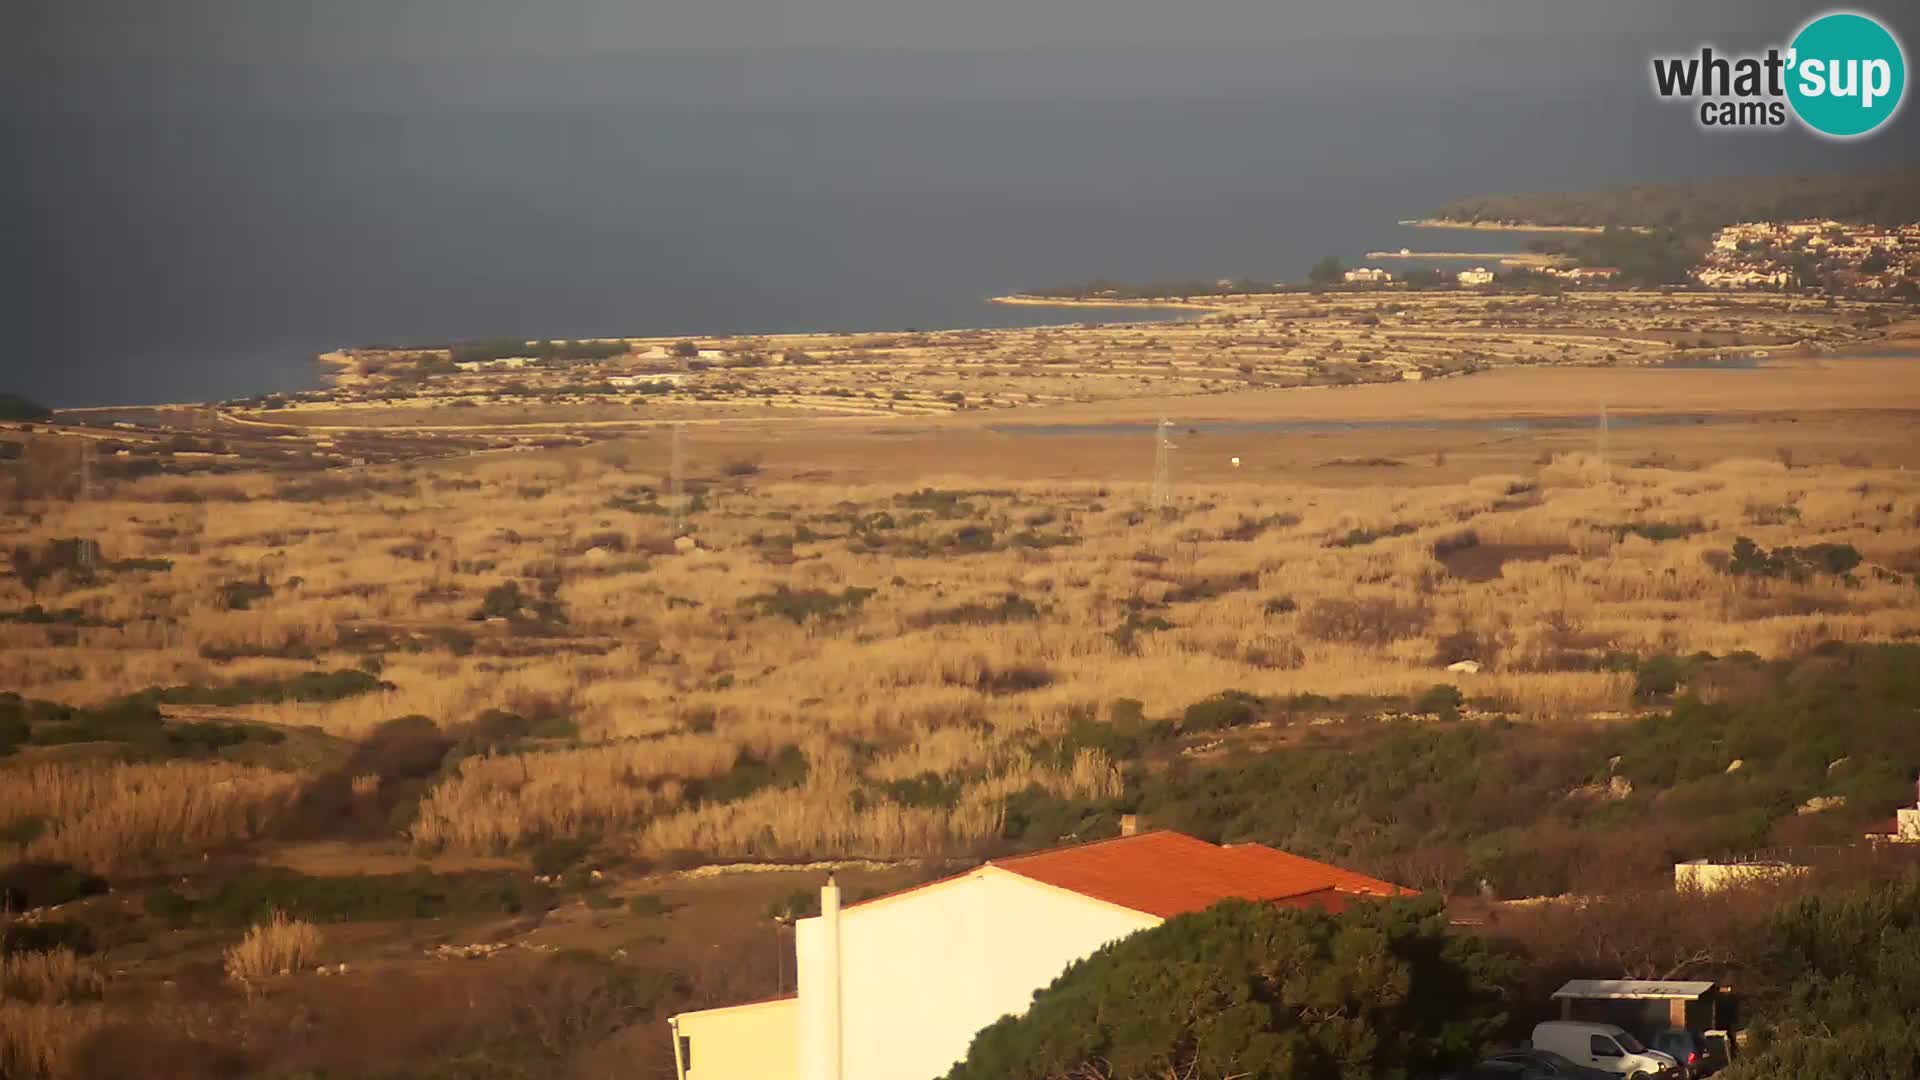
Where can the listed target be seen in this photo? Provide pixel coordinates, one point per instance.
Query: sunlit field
(888, 637)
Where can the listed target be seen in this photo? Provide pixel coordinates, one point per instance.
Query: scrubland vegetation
(478, 732)
(1244, 990)
(867, 672)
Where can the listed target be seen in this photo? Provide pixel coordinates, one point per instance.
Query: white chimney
(819, 947)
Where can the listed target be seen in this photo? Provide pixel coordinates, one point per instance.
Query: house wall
(924, 971)
(744, 1042)
(1706, 876)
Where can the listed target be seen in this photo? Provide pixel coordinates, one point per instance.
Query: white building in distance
(896, 988)
(1479, 275)
(1368, 275)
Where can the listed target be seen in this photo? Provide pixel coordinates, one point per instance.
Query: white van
(1606, 1047)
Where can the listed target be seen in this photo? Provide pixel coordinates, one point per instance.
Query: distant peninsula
(1889, 196)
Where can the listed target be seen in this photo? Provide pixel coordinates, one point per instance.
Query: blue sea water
(186, 232)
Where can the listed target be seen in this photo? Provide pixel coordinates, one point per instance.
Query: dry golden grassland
(101, 815)
(894, 634)
(279, 946)
(47, 1005)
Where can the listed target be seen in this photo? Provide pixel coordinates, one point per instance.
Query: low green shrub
(1227, 709)
(560, 854)
(800, 606)
(308, 686)
(751, 773)
(1443, 699)
(1748, 559)
(247, 899)
(46, 935)
(648, 905)
(166, 903)
(38, 883)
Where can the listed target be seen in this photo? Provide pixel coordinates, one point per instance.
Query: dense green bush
(1497, 799)
(803, 605)
(306, 686)
(1748, 559)
(509, 601)
(1657, 677)
(1443, 699)
(751, 773)
(560, 854)
(252, 897)
(1009, 608)
(166, 903)
(1658, 531)
(1263, 993)
(926, 789)
(136, 722)
(34, 884)
(1835, 990)
(240, 595)
(46, 935)
(1229, 708)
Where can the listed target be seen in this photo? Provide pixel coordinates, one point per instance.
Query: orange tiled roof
(1170, 873)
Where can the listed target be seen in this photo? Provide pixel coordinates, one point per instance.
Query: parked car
(1697, 1055)
(1531, 1065)
(1608, 1048)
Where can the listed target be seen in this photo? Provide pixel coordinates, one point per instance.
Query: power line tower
(86, 469)
(1162, 464)
(676, 481)
(1606, 465)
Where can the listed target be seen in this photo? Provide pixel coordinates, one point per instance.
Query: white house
(896, 988)
(1905, 826)
(1479, 275)
(504, 363)
(1368, 275)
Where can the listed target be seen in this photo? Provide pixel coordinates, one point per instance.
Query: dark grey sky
(344, 29)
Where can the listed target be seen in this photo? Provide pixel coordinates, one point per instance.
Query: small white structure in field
(1236, 463)
(1905, 826)
(1479, 275)
(1464, 667)
(1708, 875)
(896, 987)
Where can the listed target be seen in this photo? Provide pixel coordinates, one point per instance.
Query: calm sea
(195, 232)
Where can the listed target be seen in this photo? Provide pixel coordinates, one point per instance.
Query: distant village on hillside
(1766, 254)
(1830, 255)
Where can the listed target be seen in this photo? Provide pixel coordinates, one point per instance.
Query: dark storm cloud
(340, 29)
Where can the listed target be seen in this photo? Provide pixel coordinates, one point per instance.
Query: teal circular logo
(1846, 75)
